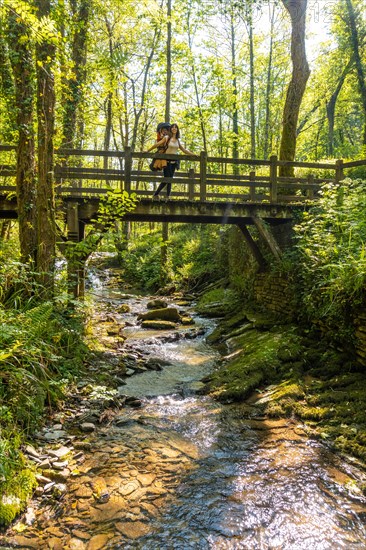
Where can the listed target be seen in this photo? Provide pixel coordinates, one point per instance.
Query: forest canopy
(230, 69)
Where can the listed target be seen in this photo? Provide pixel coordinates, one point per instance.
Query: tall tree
(21, 56)
(46, 231)
(353, 18)
(168, 61)
(331, 105)
(297, 85)
(73, 85)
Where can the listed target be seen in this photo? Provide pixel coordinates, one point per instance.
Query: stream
(178, 471)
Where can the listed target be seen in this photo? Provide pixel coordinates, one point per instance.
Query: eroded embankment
(294, 375)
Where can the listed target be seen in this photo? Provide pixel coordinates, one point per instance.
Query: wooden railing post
(273, 178)
(339, 175)
(128, 168)
(252, 186)
(310, 192)
(191, 184)
(203, 178)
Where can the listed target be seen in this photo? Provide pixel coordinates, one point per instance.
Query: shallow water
(185, 472)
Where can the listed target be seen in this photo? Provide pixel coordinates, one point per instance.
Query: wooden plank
(267, 237)
(306, 164)
(203, 170)
(249, 162)
(354, 163)
(88, 153)
(253, 247)
(273, 178)
(252, 186)
(128, 168)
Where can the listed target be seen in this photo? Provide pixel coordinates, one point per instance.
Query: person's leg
(161, 186)
(172, 168)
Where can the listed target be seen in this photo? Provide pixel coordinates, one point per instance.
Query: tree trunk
(296, 88)
(235, 96)
(73, 86)
(7, 88)
(267, 123)
(46, 229)
(195, 83)
(331, 105)
(361, 75)
(168, 62)
(23, 70)
(252, 98)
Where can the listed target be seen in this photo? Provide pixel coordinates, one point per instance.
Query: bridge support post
(75, 268)
(253, 246)
(273, 178)
(203, 177)
(191, 184)
(128, 168)
(252, 186)
(267, 237)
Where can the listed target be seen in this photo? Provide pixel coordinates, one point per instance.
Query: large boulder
(163, 314)
(158, 325)
(158, 303)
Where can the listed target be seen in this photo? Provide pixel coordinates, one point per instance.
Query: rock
(187, 320)
(60, 453)
(158, 325)
(123, 308)
(42, 480)
(54, 435)
(31, 451)
(133, 530)
(60, 465)
(146, 479)
(164, 314)
(55, 544)
(58, 490)
(25, 542)
(129, 487)
(87, 427)
(157, 304)
(76, 544)
(156, 363)
(98, 542)
(100, 490)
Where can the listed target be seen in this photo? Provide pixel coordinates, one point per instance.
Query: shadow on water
(248, 482)
(185, 472)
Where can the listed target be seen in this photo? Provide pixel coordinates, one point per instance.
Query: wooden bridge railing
(201, 177)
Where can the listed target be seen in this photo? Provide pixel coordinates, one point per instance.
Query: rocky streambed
(138, 458)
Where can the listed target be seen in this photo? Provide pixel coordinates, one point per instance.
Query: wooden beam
(267, 237)
(253, 246)
(73, 233)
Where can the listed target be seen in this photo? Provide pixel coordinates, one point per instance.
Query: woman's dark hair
(178, 132)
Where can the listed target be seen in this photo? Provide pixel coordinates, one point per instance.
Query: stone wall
(275, 293)
(360, 323)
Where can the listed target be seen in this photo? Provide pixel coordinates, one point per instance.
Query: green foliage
(331, 254)
(37, 349)
(141, 262)
(113, 206)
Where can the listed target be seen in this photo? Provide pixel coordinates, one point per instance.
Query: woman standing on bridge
(173, 143)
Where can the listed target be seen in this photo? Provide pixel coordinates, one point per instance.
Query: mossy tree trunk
(356, 42)
(46, 230)
(23, 71)
(296, 88)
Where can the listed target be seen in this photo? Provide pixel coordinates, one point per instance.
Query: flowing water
(185, 472)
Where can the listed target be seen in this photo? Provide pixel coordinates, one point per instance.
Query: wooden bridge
(205, 189)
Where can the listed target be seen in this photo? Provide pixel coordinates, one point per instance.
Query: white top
(173, 147)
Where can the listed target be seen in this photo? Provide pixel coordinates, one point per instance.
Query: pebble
(87, 427)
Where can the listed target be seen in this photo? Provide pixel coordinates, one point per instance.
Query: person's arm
(157, 144)
(185, 151)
